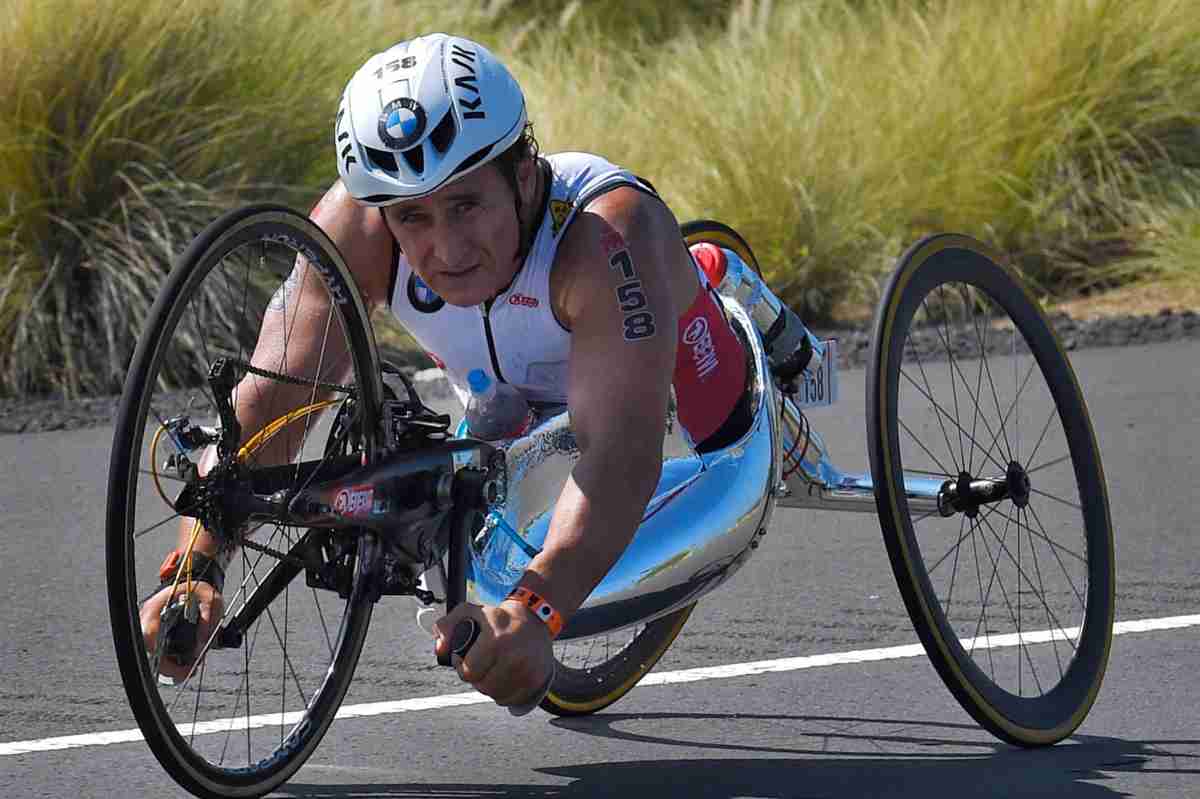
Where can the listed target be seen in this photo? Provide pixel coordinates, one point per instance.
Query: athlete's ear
(527, 180)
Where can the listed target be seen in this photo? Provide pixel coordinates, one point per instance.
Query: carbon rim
(1013, 598)
(595, 672)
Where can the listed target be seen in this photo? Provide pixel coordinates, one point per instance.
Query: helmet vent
(415, 158)
(472, 159)
(382, 159)
(442, 136)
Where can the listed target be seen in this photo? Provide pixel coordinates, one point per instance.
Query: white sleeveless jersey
(516, 337)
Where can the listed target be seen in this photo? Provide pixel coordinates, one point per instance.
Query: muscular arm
(623, 298)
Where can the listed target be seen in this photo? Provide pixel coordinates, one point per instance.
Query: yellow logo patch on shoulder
(559, 211)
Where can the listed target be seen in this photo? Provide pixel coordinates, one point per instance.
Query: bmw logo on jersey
(402, 123)
(422, 297)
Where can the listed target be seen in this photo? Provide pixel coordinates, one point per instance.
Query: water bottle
(496, 410)
(787, 341)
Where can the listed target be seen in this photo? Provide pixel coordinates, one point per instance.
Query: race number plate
(817, 386)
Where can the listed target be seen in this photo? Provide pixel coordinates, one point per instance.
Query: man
(564, 276)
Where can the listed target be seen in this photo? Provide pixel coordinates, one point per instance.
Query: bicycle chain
(295, 381)
(266, 550)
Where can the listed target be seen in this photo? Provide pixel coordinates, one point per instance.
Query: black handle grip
(179, 634)
(462, 638)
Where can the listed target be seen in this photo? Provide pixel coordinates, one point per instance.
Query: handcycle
(994, 514)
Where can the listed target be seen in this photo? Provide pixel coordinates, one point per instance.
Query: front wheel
(1008, 576)
(255, 704)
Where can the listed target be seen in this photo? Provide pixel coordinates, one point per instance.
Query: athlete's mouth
(462, 272)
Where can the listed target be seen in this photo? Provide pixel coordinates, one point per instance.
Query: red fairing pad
(712, 260)
(710, 367)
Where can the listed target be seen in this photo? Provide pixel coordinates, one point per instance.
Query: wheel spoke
(1045, 428)
(1054, 549)
(953, 384)
(975, 400)
(977, 415)
(929, 395)
(1069, 504)
(982, 602)
(156, 525)
(957, 543)
(1014, 616)
(962, 525)
(1013, 405)
(1021, 573)
(996, 399)
(1041, 584)
(1048, 464)
(987, 452)
(919, 444)
(929, 473)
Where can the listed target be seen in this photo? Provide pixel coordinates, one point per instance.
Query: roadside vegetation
(832, 133)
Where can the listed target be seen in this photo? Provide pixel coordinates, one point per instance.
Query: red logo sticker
(354, 501)
(521, 299)
(704, 353)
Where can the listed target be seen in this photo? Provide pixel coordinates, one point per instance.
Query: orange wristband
(540, 607)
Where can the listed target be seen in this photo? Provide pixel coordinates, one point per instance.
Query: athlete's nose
(451, 249)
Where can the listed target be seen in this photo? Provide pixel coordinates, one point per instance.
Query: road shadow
(849, 757)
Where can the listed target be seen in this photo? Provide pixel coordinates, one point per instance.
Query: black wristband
(204, 570)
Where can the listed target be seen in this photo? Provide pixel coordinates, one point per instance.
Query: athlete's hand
(512, 659)
(211, 607)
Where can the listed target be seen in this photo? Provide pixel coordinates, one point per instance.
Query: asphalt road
(822, 584)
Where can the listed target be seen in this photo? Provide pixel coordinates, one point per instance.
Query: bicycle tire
(229, 235)
(583, 691)
(714, 232)
(917, 288)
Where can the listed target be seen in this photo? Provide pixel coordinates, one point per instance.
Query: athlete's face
(462, 240)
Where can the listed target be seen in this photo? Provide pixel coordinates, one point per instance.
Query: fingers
(211, 608)
(480, 655)
(511, 661)
(444, 627)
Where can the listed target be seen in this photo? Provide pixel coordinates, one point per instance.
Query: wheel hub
(967, 494)
(1019, 485)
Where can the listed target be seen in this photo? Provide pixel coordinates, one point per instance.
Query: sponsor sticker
(354, 501)
(559, 211)
(401, 123)
(423, 298)
(698, 336)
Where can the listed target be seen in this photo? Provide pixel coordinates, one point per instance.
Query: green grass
(831, 133)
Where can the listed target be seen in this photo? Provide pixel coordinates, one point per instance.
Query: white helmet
(421, 114)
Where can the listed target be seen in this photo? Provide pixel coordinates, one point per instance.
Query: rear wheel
(592, 673)
(722, 235)
(252, 710)
(1009, 577)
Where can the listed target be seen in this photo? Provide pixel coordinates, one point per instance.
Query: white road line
(663, 678)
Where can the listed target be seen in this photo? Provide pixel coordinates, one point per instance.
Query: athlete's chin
(469, 287)
(465, 293)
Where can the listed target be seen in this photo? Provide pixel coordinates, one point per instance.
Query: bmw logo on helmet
(402, 123)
